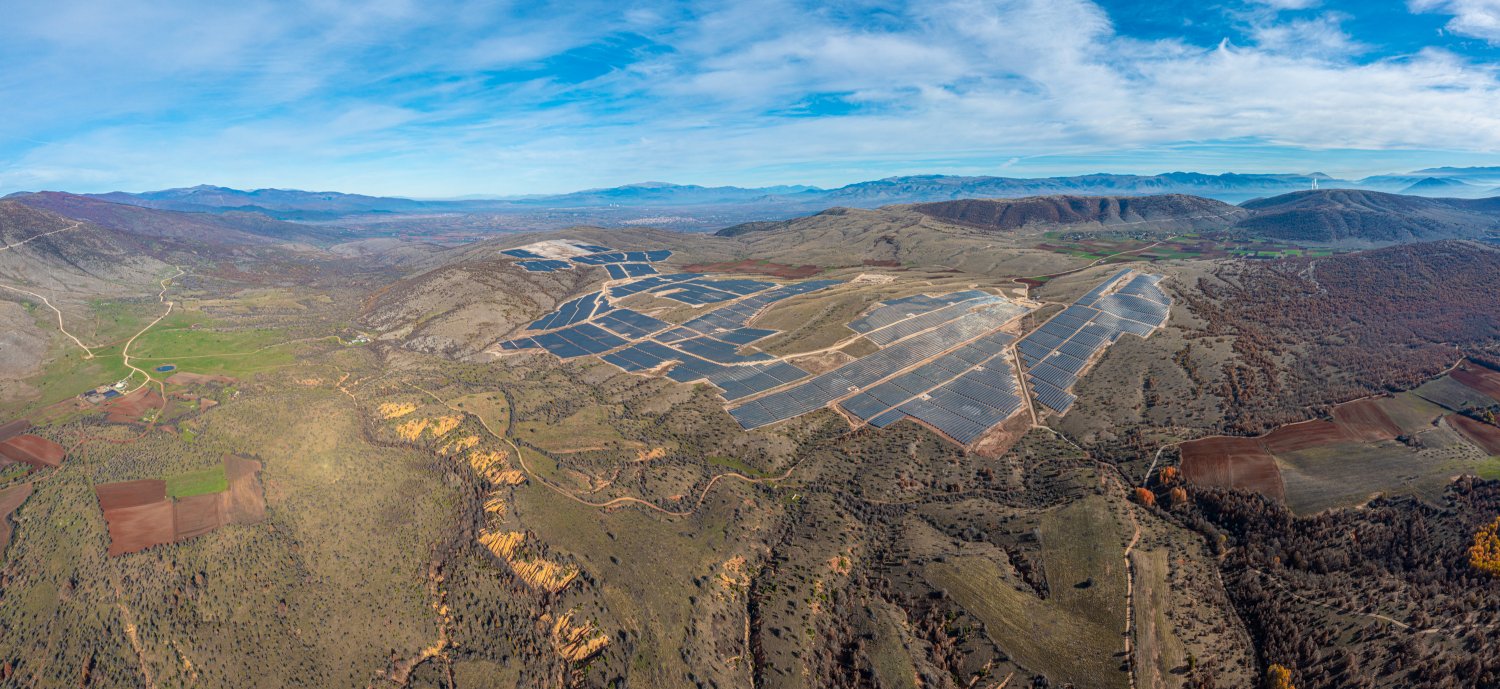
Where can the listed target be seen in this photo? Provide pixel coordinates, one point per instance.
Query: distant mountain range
(1348, 217)
(787, 201)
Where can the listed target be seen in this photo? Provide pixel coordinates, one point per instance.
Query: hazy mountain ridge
(789, 200)
(1168, 212)
(234, 227)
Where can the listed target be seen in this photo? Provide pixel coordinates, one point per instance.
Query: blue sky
(435, 98)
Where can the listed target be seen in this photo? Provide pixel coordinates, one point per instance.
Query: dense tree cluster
(1352, 598)
(1311, 332)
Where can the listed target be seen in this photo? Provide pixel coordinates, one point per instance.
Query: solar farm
(555, 255)
(1057, 353)
(945, 360)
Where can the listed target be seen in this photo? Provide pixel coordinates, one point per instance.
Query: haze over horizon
(441, 100)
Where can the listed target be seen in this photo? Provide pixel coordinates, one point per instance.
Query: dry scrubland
(436, 517)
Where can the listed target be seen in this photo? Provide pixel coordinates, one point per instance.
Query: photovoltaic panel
(630, 323)
(1053, 376)
(1078, 349)
(1052, 397)
(573, 311)
(544, 266)
(744, 336)
(521, 253)
(1067, 363)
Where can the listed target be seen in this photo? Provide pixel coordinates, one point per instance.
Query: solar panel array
(904, 328)
(574, 311)
(631, 324)
(522, 253)
(697, 294)
(865, 372)
(736, 381)
(568, 343)
(621, 271)
(900, 309)
(737, 315)
(623, 257)
(593, 248)
(1056, 353)
(544, 266)
(963, 393)
(651, 283)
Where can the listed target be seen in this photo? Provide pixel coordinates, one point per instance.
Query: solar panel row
(719, 351)
(1101, 288)
(574, 311)
(737, 315)
(621, 271)
(521, 253)
(893, 310)
(631, 324)
(744, 336)
(823, 389)
(978, 392)
(600, 259)
(1052, 397)
(1057, 352)
(544, 266)
(576, 341)
(651, 283)
(905, 328)
(698, 295)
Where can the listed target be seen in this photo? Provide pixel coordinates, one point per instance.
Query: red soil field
(1301, 436)
(10, 499)
(1484, 435)
(33, 450)
(114, 496)
(196, 515)
(137, 528)
(1232, 463)
(1365, 421)
(247, 503)
(1482, 380)
(14, 428)
(755, 268)
(129, 408)
(140, 515)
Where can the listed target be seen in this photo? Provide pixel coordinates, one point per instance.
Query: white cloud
(1289, 4)
(449, 99)
(1477, 18)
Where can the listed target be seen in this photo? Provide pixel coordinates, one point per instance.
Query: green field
(211, 480)
(197, 345)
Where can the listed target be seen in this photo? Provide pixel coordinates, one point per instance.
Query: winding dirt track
(35, 237)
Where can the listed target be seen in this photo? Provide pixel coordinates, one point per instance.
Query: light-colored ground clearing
(1075, 634)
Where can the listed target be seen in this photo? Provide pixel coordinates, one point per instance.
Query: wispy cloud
(1477, 18)
(460, 97)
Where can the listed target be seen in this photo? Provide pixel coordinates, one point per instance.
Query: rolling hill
(237, 228)
(1340, 215)
(1169, 212)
